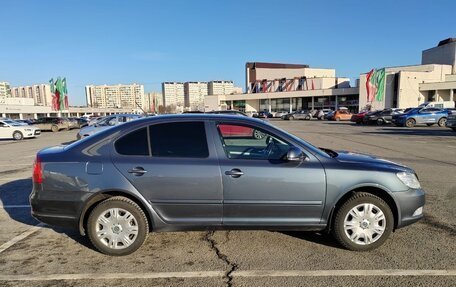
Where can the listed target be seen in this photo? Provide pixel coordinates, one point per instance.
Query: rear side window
(184, 139)
(134, 143)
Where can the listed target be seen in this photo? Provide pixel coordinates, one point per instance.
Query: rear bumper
(408, 203)
(52, 209)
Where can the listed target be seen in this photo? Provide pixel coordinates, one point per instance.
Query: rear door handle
(235, 172)
(138, 171)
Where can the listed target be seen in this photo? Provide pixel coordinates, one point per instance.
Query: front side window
(180, 139)
(245, 142)
(134, 143)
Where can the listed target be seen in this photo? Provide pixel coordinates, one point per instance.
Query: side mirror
(295, 154)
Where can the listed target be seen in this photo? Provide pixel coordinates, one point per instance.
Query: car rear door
(260, 188)
(175, 169)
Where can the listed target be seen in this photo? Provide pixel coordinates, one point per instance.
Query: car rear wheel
(380, 122)
(442, 122)
(292, 118)
(364, 222)
(17, 135)
(117, 226)
(307, 118)
(410, 123)
(54, 128)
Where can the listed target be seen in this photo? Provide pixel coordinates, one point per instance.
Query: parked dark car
(451, 120)
(185, 172)
(427, 116)
(264, 115)
(382, 117)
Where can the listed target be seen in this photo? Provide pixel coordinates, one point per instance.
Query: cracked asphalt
(426, 245)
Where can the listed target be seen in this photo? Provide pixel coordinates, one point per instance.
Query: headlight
(409, 179)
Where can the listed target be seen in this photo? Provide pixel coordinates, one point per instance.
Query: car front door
(260, 187)
(4, 130)
(176, 171)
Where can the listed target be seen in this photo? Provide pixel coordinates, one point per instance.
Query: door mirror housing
(295, 154)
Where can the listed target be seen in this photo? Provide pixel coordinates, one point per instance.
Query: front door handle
(138, 171)
(235, 172)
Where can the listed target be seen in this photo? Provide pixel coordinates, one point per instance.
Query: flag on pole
(375, 85)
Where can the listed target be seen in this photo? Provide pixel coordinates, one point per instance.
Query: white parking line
(246, 273)
(21, 236)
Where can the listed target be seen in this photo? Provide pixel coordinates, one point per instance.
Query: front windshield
(12, 123)
(105, 121)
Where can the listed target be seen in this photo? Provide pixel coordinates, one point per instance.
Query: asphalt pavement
(423, 254)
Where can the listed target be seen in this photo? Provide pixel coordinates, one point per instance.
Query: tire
(442, 122)
(17, 136)
(380, 122)
(54, 128)
(258, 135)
(429, 125)
(307, 118)
(337, 119)
(137, 221)
(410, 123)
(291, 118)
(356, 231)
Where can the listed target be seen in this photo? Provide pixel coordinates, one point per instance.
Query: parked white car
(10, 129)
(106, 123)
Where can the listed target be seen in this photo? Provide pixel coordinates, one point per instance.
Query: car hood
(369, 160)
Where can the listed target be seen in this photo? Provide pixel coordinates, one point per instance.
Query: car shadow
(321, 238)
(14, 198)
(414, 131)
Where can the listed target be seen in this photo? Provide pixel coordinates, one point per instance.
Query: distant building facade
(5, 92)
(173, 95)
(409, 86)
(220, 87)
(128, 96)
(194, 93)
(40, 93)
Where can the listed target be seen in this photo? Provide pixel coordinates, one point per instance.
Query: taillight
(37, 171)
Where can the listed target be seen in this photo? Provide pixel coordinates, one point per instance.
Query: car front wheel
(17, 135)
(117, 226)
(364, 222)
(410, 123)
(442, 122)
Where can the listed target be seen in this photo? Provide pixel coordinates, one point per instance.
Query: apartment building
(194, 93)
(130, 96)
(220, 87)
(40, 93)
(173, 94)
(5, 91)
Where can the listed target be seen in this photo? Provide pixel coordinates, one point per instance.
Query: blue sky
(148, 42)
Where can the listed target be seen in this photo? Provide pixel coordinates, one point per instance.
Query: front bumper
(408, 203)
(398, 121)
(451, 123)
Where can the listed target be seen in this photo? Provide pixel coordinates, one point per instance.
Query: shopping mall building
(290, 87)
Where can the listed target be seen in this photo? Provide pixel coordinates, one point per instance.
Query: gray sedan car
(193, 172)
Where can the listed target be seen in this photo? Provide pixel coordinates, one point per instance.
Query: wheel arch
(94, 200)
(381, 192)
